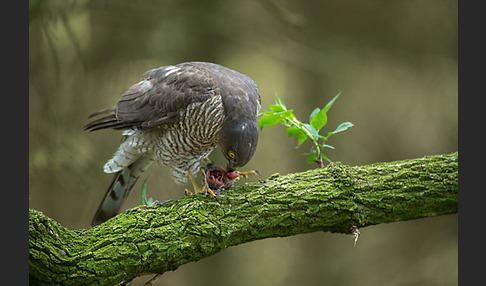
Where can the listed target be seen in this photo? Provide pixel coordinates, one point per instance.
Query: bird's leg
(197, 189)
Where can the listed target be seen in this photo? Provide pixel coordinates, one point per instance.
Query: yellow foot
(200, 190)
(247, 174)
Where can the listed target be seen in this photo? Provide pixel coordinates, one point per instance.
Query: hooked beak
(231, 167)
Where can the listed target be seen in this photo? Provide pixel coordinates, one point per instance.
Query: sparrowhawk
(177, 115)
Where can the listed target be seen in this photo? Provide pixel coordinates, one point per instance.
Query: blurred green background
(395, 63)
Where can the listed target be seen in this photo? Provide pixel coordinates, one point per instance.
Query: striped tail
(120, 187)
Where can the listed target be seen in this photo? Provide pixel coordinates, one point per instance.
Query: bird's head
(238, 141)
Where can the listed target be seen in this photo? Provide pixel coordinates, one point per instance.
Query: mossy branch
(161, 238)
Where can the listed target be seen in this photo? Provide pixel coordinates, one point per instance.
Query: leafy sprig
(145, 201)
(279, 113)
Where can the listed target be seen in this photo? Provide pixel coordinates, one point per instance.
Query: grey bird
(176, 115)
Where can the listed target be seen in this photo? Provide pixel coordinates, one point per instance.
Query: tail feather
(119, 189)
(110, 120)
(125, 156)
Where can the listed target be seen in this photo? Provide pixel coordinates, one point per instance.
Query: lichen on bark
(160, 238)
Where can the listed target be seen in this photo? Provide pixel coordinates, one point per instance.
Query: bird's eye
(231, 154)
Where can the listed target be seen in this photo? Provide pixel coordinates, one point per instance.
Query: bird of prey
(176, 115)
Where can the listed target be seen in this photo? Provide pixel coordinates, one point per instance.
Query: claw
(212, 194)
(188, 192)
(197, 189)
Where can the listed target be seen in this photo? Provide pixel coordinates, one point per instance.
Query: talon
(212, 194)
(188, 192)
(197, 189)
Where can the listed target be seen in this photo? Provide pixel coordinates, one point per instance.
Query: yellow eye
(231, 154)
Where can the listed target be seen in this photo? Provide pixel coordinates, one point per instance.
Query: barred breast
(185, 143)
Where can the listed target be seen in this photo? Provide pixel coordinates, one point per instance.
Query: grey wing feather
(158, 98)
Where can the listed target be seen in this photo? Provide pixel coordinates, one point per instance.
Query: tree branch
(161, 238)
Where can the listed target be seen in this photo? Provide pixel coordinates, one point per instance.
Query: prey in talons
(219, 179)
(216, 179)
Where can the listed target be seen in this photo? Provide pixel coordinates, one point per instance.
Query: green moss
(161, 238)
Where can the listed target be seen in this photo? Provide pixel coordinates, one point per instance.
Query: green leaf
(291, 131)
(301, 139)
(280, 102)
(270, 119)
(299, 134)
(144, 193)
(278, 113)
(312, 131)
(312, 159)
(325, 158)
(265, 113)
(342, 127)
(319, 119)
(277, 108)
(286, 113)
(313, 113)
(328, 146)
(329, 104)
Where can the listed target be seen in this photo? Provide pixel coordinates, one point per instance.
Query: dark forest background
(395, 63)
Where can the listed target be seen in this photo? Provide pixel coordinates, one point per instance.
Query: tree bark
(160, 238)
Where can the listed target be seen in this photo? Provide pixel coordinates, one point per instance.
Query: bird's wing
(158, 97)
(239, 92)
